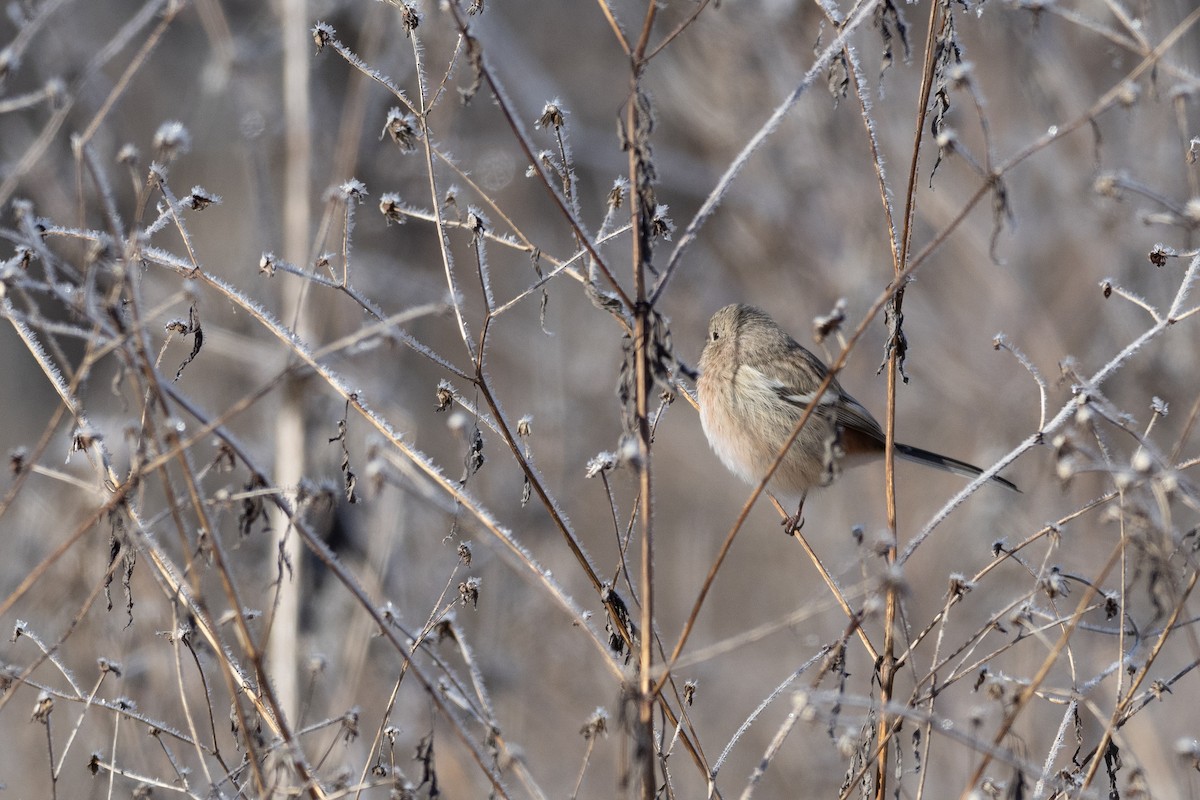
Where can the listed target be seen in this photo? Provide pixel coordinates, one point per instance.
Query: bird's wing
(853, 415)
(834, 404)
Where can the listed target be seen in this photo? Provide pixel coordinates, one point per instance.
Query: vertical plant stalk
(283, 642)
(887, 663)
(641, 209)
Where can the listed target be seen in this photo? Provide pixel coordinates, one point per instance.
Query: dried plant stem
(1030, 689)
(290, 439)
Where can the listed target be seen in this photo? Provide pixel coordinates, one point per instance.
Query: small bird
(756, 382)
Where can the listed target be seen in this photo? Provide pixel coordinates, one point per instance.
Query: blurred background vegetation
(1087, 110)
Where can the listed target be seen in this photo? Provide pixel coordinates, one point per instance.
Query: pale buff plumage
(755, 383)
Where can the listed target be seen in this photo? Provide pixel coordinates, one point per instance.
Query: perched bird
(755, 383)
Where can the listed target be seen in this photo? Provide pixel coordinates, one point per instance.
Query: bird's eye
(715, 336)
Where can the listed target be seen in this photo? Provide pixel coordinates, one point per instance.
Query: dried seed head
(42, 708)
(17, 460)
(170, 141)
(601, 462)
(201, 199)
(1083, 411)
(1054, 584)
(892, 580)
(1168, 481)
(828, 324)
(628, 454)
(445, 395)
(1021, 616)
(552, 116)
(661, 225)
(1112, 605)
(323, 34)
(354, 190)
(402, 128)
(468, 592)
(616, 195)
(1188, 750)
(959, 585)
(409, 18)
(477, 223)
(959, 75)
(391, 208)
(1107, 184)
(84, 438)
(1128, 93)
(129, 156)
(597, 724)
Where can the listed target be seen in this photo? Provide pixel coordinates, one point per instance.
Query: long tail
(949, 464)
